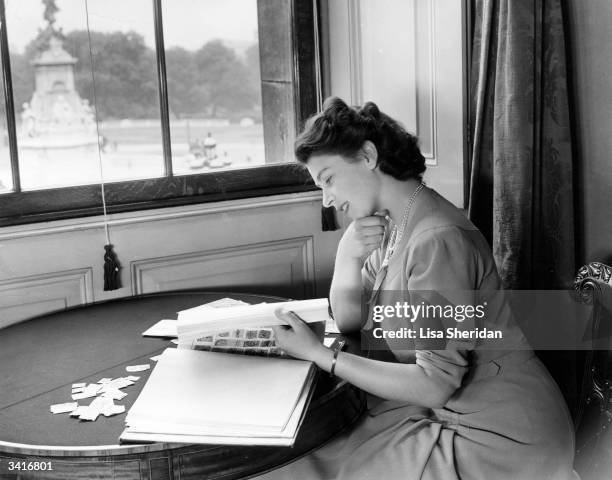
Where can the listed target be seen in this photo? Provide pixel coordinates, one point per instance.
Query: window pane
(6, 177)
(214, 87)
(59, 142)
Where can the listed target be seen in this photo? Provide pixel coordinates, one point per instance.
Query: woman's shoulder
(440, 219)
(443, 237)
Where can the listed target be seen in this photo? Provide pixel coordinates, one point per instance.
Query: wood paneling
(285, 266)
(25, 297)
(268, 245)
(416, 75)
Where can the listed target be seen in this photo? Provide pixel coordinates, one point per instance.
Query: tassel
(328, 219)
(111, 269)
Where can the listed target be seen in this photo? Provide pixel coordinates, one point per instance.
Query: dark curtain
(520, 183)
(521, 175)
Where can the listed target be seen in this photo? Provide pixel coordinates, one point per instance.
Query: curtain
(520, 182)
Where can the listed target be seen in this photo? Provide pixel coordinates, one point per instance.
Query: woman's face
(351, 187)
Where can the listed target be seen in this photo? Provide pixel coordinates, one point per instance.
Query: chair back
(593, 416)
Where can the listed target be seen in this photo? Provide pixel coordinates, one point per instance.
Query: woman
(462, 409)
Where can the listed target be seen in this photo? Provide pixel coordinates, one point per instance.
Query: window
(170, 102)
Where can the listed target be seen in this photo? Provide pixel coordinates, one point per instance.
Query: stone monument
(56, 117)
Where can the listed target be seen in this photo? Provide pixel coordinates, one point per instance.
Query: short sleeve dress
(506, 418)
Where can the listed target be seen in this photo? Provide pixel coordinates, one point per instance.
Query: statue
(49, 32)
(50, 11)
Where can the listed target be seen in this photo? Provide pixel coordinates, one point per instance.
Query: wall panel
(286, 265)
(270, 245)
(23, 297)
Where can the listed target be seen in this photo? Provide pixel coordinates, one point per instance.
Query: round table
(41, 358)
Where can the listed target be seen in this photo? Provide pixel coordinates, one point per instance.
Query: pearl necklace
(396, 234)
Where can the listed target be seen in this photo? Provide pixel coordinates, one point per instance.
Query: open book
(207, 397)
(195, 396)
(233, 326)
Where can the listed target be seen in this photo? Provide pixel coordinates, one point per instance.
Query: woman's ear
(370, 154)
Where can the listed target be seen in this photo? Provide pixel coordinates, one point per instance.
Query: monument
(56, 117)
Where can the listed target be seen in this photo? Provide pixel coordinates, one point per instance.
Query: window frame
(291, 87)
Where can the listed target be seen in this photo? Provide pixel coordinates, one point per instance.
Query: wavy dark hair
(341, 130)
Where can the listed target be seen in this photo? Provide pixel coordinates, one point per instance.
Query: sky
(187, 23)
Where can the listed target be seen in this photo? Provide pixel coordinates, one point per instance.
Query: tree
(210, 81)
(23, 80)
(225, 77)
(187, 95)
(124, 71)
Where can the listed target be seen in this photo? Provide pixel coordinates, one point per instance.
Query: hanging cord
(112, 280)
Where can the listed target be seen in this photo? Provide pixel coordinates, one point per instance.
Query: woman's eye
(328, 181)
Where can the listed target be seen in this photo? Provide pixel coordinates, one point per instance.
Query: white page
(201, 320)
(188, 386)
(289, 431)
(130, 436)
(163, 328)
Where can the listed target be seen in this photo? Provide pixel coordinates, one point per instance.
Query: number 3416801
(23, 465)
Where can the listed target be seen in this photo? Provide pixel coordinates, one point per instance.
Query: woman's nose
(327, 199)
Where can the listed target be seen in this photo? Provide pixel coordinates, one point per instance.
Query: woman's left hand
(297, 339)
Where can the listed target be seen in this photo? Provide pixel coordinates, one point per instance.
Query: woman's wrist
(324, 358)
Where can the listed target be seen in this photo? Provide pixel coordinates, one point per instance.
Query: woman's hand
(363, 236)
(298, 340)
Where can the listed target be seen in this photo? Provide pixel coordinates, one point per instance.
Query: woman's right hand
(363, 236)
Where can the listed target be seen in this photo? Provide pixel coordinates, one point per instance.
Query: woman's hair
(342, 130)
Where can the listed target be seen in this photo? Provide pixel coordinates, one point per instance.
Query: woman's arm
(345, 293)
(408, 382)
(392, 381)
(362, 236)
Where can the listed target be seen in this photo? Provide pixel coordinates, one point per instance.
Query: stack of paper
(241, 328)
(206, 397)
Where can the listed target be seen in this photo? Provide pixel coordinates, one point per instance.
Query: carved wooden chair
(593, 419)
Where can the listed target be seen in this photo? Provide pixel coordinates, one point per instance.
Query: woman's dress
(506, 419)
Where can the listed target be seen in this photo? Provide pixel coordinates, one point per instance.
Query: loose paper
(64, 407)
(114, 394)
(89, 391)
(78, 411)
(163, 328)
(138, 368)
(105, 391)
(113, 410)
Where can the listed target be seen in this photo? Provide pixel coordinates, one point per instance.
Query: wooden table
(42, 357)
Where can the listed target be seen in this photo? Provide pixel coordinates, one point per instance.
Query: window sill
(86, 200)
(142, 216)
